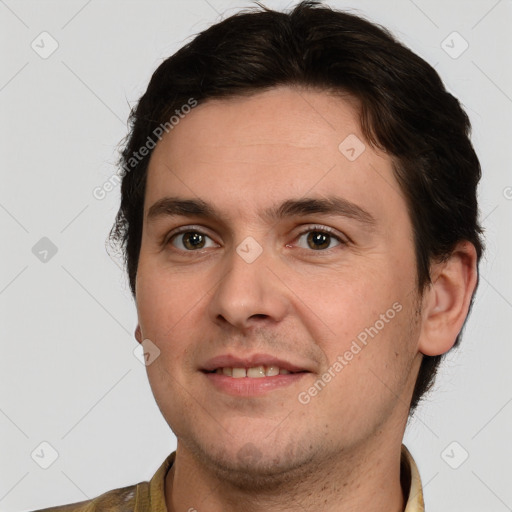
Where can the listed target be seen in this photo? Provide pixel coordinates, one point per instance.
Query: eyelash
(312, 228)
(324, 230)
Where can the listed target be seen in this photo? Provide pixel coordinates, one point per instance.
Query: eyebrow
(333, 205)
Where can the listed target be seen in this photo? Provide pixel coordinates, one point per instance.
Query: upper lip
(232, 361)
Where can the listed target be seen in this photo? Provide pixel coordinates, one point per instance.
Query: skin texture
(341, 450)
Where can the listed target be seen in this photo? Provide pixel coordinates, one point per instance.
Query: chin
(253, 468)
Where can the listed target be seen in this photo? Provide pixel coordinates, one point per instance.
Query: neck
(365, 478)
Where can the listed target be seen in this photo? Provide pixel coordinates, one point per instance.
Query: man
(300, 226)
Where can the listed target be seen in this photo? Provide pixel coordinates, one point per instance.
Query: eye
(191, 241)
(318, 239)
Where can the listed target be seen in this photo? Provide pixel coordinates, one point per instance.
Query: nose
(249, 294)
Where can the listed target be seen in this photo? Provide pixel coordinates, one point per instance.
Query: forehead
(243, 152)
(301, 118)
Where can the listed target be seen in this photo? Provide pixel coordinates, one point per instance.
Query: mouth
(254, 366)
(242, 379)
(253, 372)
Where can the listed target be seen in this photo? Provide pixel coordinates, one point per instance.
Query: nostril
(259, 316)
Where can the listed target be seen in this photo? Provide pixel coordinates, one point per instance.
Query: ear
(447, 300)
(138, 333)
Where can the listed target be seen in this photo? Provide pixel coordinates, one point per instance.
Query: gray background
(68, 374)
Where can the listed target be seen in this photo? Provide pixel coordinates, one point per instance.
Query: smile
(254, 372)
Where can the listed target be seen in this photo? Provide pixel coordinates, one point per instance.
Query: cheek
(170, 307)
(346, 302)
(372, 365)
(165, 300)
(364, 319)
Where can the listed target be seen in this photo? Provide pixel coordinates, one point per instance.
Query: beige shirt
(150, 497)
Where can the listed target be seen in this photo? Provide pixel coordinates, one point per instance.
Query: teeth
(238, 373)
(272, 370)
(255, 372)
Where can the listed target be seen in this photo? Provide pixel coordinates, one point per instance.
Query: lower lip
(247, 386)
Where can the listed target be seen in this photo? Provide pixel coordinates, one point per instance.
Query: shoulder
(117, 500)
(141, 497)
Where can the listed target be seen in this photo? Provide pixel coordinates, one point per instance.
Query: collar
(410, 479)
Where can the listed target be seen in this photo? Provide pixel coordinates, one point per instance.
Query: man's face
(268, 272)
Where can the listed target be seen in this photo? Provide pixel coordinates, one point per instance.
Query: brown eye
(191, 240)
(318, 240)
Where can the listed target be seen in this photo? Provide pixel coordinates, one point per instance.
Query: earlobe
(447, 300)
(138, 334)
